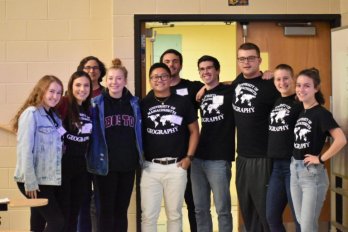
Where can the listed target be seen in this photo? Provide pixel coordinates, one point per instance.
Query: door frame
(139, 47)
(141, 19)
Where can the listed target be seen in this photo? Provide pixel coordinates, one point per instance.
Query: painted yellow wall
(215, 40)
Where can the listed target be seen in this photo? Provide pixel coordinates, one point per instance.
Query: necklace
(311, 106)
(161, 100)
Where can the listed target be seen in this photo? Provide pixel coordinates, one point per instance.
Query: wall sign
(238, 2)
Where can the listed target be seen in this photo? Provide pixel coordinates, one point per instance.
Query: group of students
(56, 136)
(102, 136)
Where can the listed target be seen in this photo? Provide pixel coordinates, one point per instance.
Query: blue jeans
(278, 196)
(308, 186)
(215, 176)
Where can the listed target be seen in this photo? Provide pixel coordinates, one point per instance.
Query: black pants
(74, 187)
(252, 175)
(89, 210)
(48, 218)
(115, 192)
(189, 203)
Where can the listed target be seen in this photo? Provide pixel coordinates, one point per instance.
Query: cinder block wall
(39, 37)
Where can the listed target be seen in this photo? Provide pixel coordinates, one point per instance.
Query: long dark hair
(73, 112)
(313, 74)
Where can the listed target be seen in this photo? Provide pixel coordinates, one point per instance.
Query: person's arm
(267, 75)
(339, 140)
(193, 142)
(200, 93)
(26, 143)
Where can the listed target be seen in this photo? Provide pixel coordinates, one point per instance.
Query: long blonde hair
(36, 96)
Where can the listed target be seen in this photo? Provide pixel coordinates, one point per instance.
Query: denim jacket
(97, 157)
(39, 149)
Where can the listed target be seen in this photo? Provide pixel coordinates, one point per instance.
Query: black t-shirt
(76, 140)
(188, 89)
(282, 121)
(165, 126)
(252, 102)
(217, 132)
(311, 129)
(119, 132)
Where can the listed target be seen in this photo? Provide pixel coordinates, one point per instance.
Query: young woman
(280, 143)
(309, 179)
(116, 148)
(87, 221)
(39, 152)
(74, 109)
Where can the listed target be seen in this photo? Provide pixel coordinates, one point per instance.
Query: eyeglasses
(163, 77)
(249, 59)
(208, 68)
(91, 68)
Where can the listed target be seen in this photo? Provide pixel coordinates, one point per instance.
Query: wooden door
(300, 52)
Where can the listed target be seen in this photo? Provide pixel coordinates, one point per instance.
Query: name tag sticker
(176, 119)
(61, 131)
(218, 100)
(182, 92)
(87, 128)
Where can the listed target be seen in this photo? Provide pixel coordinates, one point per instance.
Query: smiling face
(173, 63)
(81, 89)
(115, 82)
(160, 82)
(208, 73)
(305, 89)
(249, 63)
(284, 82)
(52, 95)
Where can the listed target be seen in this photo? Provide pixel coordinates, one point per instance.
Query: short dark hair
(101, 65)
(313, 74)
(159, 65)
(215, 61)
(172, 51)
(250, 46)
(285, 67)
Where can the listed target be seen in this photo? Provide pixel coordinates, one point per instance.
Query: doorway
(300, 51)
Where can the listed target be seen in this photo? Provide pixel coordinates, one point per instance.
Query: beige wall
(344, 12)
(40, 37)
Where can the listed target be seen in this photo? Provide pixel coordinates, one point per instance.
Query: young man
(170, 139)
(188, 89)
(211, 168)
(183, 87)
(253, 100)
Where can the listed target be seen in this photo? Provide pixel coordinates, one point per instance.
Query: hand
(32, 194)
(184, 163)
(311, 159)
(267, 75)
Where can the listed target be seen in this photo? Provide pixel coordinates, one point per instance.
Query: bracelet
(320, 160)
(190, 157)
